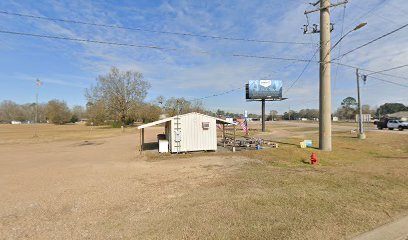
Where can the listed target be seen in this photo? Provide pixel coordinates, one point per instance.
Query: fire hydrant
(313, 159)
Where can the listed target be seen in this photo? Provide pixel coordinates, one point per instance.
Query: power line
(341, 36)
(379, 15)
(368, 70)
(395, 83)
(389, 69)
(149, 46)
(303, 71)
(215, 95)
(183, 50)
(151, 31)
(372, 41)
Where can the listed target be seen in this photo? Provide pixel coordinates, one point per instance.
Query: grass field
(108, 190)
(35, 133)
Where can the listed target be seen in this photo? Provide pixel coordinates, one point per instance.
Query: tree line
(118, 98)
(348, 110)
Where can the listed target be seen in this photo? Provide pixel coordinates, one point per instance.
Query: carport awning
(154, 123)
(218, 120)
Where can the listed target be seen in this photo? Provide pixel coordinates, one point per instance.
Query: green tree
(389, 108)
(291, 115)
(347, 109)
(220, 112)
(349, 102)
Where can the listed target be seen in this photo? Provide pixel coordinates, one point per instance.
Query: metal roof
(402, 114)
(218, 120)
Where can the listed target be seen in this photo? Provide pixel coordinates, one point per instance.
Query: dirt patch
(93, 189)
(104, 188)
(88, 143)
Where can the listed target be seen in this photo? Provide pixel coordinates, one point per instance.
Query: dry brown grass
(108, 190)
(358, 186)
(25, 133)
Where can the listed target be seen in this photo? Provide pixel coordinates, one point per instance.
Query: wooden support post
(223, 133)
(142, 141)
(234, 134)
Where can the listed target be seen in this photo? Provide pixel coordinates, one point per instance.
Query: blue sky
(68, 68)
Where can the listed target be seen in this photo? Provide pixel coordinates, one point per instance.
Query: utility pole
(361, 134)
(325, 79)
(36, 105)
(325, 129)
(263, 115)
(38, 84)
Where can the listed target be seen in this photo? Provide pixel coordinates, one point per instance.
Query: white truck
(397, 124)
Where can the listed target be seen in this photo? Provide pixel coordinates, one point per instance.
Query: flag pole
(38, 82)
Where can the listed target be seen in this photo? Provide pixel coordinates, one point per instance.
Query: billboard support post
(263, 115)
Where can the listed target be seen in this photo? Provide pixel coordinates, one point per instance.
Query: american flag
(39, 83)
(244, 127)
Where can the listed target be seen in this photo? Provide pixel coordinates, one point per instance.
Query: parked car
(391, 124)
(382, 123)
(397, 124)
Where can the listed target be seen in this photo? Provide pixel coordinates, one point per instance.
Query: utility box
(163, 146)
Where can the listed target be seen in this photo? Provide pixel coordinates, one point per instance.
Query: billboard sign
(264, 89)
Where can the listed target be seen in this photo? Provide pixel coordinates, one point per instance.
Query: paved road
(397, 230)
(337, 126)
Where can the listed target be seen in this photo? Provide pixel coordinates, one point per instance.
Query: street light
(355, 29)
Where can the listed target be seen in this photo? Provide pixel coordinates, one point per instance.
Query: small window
(206, 125)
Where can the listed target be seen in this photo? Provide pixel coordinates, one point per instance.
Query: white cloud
(187, 73)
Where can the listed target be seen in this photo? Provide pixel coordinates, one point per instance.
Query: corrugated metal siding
(193, 136)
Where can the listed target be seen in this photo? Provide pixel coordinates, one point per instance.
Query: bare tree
(9, 111)
(78, 113)
(273, 114)
(119, 91)
(58, 112)
(150, 113)
(96, 113)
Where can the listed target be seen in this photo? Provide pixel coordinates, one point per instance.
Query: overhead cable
(216, 94)
(388, 81)
(150, 30)
(148, 46)
(372, 41)
(389, 69)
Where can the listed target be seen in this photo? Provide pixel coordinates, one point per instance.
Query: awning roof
(218, 120)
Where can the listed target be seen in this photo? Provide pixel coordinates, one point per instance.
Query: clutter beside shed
(306, 144)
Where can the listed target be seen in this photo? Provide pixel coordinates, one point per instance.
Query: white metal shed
(189, 132)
